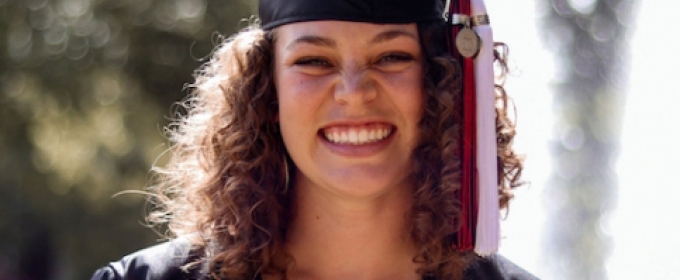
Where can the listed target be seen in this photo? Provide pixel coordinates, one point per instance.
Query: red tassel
(470, 123)
(467, 194)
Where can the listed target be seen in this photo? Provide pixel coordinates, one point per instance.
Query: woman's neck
(334, 237)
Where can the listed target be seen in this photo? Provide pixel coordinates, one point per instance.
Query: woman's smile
(356, 135)
(357, 140)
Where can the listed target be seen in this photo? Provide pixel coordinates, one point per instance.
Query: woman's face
(350, 99)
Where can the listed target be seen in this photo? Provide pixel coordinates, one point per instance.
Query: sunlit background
(557, 228)
(86, 87)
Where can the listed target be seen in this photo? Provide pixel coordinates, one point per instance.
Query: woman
(322, 145)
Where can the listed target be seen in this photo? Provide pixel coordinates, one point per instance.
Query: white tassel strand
(488, 215)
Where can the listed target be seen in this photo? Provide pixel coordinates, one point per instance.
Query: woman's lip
(347, 128)
(356, 123)
(352, 150)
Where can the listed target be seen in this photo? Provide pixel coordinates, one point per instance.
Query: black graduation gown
(164, 262)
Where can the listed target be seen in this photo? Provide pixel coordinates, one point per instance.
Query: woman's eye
(316, 62)
(396, 57)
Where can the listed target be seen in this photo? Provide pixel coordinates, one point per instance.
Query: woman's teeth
(357, 136)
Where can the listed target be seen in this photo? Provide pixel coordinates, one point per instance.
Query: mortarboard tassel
(469, 176)
(458, 18)
(480, 224)
(488, 219)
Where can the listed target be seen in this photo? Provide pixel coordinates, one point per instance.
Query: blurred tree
(590, 42)
(85, 89)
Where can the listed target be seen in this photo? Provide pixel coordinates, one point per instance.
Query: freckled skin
(330, 73)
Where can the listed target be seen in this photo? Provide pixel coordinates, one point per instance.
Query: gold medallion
(468, 43)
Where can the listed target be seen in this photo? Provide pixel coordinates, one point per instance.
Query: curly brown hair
(226, 185)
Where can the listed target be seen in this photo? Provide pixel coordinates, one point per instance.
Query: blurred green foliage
(86, 87)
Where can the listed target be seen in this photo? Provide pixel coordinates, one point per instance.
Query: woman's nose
(355, 88)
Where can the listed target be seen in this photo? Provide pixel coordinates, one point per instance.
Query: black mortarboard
(274, 13)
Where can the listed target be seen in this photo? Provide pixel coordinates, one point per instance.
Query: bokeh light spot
(35, 4)
(584, 7)
(572, 138)
(20, 41)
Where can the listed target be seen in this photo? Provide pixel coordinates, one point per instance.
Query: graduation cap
(470, 41)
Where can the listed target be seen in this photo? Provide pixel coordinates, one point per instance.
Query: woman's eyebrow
(314, 40)
(392, 34)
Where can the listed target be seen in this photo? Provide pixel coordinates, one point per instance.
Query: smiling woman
(326, 144)
(339, 83)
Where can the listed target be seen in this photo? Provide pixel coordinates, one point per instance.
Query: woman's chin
(365, 186)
